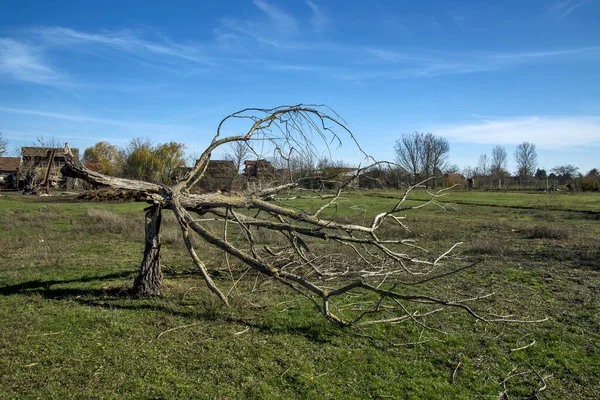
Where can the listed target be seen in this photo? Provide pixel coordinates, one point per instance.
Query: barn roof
(10, 163)
(226, 163)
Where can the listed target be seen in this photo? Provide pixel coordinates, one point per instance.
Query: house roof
(92, 166)
(257, 162)
(221, 163)
(10, 163)
(45, 152)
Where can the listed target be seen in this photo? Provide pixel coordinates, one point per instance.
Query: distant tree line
(491, 172)
(419, 157)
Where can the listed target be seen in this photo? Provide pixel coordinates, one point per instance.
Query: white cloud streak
(430, 64)
(25, 57)
(284, 21)
(564, 8)
(21, 61)
(86, 119)
(545, 132)
(319, 19)
(275, 30)
(124, 41)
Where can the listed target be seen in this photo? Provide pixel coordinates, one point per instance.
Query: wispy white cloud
(285, 22)
(25, 138)
(26, 55)
(359, 65)
(431, 64)
(563, 8)
(122, 40)
(22, 61)
(319, 20)
(85, 118)
(393, 57)
(545, 132)
(276, 28)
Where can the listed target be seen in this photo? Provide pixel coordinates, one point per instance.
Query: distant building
(9, 172)
(219, 175)
(37, 161)
(258, 168)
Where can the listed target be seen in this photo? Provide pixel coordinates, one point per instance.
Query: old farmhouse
(9, 172)
(41, 167)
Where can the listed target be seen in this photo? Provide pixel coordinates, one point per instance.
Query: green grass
(70, 329)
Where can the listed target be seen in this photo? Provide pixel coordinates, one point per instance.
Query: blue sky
(479, 73)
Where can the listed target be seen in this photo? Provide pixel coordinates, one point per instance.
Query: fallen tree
(375, 261)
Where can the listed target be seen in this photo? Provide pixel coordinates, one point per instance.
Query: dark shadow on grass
(43, 286)
(123, 298)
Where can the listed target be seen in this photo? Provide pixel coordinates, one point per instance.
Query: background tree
(168, 158)
(368, 258)
(435, 156)
(565, 173)
(553, 179)
(138, 157)
(542, 177)
(452, 169)
(153, 163)
(3, 144)
(483, 169)
(50, 142)
(422, 155)
(238, 152)
(469, 172)
(409, 150)
(110, 159)
(526, 159)
(498, 164)
(590, 182)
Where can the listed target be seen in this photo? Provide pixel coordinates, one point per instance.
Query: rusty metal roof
(10, 164)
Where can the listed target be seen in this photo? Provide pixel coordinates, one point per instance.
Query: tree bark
(150, 279)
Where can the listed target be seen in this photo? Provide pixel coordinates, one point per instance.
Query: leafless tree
(469, 172)
(42, 141)
(483, 168)
(526, 158)
(317, 255)
(498, 164)
(408, 154)
(435, 156)
(422, 155)
(484, 164)
(565, 173)
(3, 144)
(238, 152)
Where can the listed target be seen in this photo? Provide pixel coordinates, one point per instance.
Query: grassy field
(70, 329)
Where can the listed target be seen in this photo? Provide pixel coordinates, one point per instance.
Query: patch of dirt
(112, 195)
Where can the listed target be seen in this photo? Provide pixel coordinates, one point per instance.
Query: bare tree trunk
(149, 281)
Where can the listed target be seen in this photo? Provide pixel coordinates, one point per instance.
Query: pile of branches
(112, 195)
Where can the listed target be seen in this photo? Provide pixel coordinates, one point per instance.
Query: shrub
(547, 232)
(486, 246)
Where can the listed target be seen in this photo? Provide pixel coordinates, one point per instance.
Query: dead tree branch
(378, 256)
